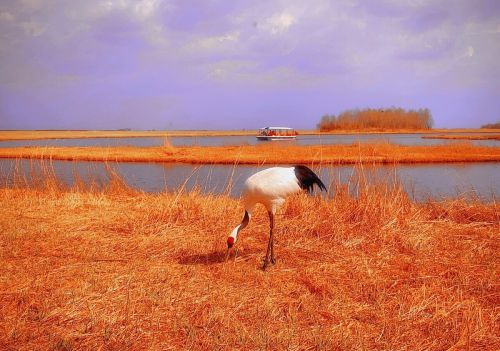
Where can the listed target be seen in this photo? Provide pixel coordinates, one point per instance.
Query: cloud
(278, 23)
(142, 9)
(146, 8)
(470, 51)
(214, 42)
(32, 28)
(252, 73)
(432, 45)
(6, 16)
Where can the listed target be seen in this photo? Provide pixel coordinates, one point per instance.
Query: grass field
(71, 134)
(267, 153)
(118, 269)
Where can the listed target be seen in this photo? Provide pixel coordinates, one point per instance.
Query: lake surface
(420, 181)
(402, 139)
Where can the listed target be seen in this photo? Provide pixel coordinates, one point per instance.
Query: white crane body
(270, 187)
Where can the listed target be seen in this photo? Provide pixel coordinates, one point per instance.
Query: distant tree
(387, 118)
(491, 125)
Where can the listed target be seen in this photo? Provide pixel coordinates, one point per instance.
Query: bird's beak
(230, 244)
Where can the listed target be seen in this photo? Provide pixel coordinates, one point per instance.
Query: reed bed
(118, 269)
(267, 153)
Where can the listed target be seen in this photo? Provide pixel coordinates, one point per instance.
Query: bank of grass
(270, 153)
(118, 269)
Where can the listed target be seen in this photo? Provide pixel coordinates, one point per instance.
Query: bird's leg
(273, 259)
(266, 259)
(269, 244)
(271, 221)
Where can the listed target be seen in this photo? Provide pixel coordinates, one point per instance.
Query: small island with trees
(491, 125)
(390, 118)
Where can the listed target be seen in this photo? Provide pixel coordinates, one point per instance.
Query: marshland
(137, 136)
(90, 259)
(123, 246)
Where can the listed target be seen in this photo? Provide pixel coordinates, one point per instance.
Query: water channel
(420, 181)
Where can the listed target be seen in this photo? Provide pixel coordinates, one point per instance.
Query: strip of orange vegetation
(464, 137)
(82, 134)
(266, 153)
(121, 270)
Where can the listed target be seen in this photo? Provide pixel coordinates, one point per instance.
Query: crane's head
(231, 239)
(230, 242)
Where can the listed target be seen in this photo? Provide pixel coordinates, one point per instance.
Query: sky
(186, 64)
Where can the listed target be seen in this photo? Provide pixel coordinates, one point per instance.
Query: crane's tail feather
(308, 178)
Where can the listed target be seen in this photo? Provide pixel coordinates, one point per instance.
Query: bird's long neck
(238, 228)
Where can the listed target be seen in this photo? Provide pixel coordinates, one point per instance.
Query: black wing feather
(308, 178)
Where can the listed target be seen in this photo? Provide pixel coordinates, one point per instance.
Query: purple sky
(151, 64)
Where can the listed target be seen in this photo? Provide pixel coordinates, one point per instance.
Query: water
(402, 139)
(420, 181)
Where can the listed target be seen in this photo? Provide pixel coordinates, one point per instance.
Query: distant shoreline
(463, 137)
(84, 134)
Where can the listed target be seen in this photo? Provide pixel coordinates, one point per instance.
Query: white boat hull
(276, 137)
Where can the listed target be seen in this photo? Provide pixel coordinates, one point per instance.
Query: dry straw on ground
(117, 269)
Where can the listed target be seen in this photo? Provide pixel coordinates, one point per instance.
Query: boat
(277, 133)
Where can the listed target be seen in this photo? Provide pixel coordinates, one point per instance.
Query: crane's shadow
(216, 257)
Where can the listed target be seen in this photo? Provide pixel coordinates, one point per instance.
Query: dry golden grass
(123, 270)
(269, 153)
(464, 137)
(72, 134)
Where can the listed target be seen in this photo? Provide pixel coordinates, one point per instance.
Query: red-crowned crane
(270, 188)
